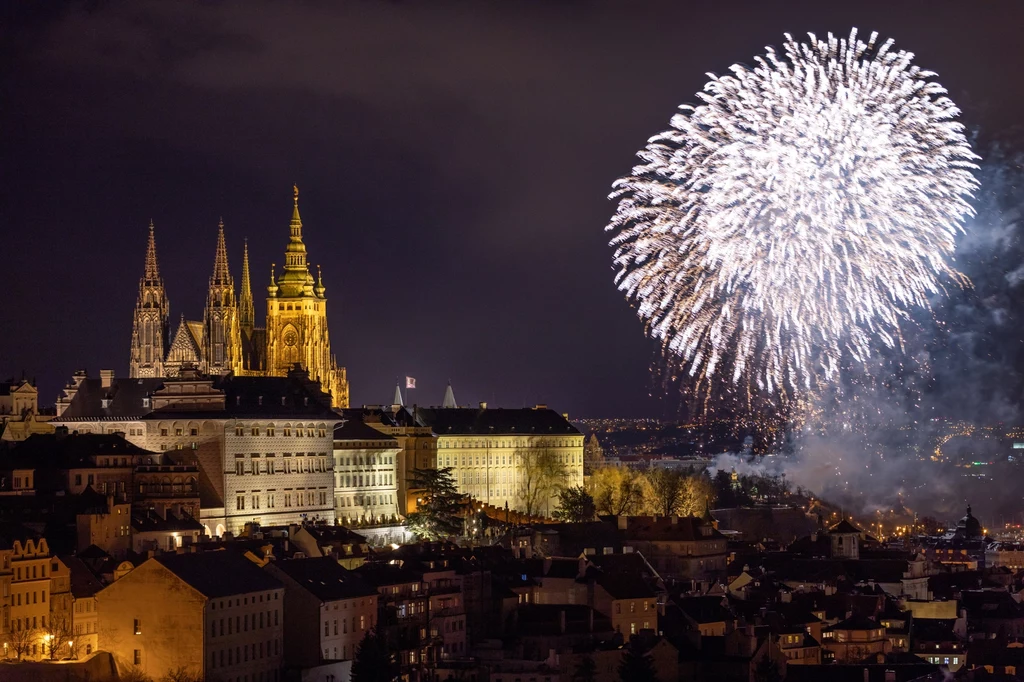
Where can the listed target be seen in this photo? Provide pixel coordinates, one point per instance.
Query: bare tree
(669, 488)
(617, 490)
(183, 674)
(540, 476)
(60, 633)
(133, 673)
(20, 639)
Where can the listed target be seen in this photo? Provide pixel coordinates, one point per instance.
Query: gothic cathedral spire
(246, 312)
(222, 345)
(150, 326)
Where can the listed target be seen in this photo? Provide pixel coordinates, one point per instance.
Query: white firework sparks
(798, 213)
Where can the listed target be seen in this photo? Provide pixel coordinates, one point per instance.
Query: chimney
(675, 519)
(106, 377)
(623, 521)
(867, 675)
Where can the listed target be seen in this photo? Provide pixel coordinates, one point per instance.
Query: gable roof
(291, 397)
(857, 622)
(357, 429)
(218, 573)
(325, 578)
(124, 396)
(844, 527)
(484, 421)
(72, 450)
(83, 582)
(684, 528)
(185, 346)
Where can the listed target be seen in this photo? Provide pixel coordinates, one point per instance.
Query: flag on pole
(410, 382)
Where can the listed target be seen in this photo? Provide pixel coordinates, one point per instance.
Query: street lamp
(46, 642)
(71, 648)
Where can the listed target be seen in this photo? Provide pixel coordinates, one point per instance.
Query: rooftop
(325, 578)
(219, 573)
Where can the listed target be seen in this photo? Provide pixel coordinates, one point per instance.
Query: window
(255, 431)
(138, 627)
(240, 502)
(239, 431)
(137, 657)
(239, 467)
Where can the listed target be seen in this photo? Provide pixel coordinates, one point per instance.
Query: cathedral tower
(297, 320)
(246, 311)
(222, 346)
(150, 329)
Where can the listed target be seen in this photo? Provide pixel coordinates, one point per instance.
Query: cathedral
(226, 340)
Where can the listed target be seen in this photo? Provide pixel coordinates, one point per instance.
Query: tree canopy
(438, 504)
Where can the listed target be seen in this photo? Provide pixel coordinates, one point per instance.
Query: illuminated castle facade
(226, 340)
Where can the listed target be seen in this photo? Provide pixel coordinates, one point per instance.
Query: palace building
(226, 340)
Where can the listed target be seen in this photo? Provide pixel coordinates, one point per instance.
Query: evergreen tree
(575, 505)
(373, 661)
(724, 494)
(438, 504)
(637, 665)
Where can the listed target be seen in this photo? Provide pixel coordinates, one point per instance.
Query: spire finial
(152, 268)
(295, 191)
(319, 275)
(449, 397)
(246, 311)
(221, 273)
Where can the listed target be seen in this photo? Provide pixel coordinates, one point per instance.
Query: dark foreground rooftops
(219, 573)
(325, 578)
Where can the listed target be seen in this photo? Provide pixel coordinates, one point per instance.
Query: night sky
(453, 159)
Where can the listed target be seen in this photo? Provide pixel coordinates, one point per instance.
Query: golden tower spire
(246, 311)
(296, 271)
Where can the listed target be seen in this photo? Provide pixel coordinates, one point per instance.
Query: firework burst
(796, 215)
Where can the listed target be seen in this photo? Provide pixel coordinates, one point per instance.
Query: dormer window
(145, 401)
(259, 400)
(105, 403)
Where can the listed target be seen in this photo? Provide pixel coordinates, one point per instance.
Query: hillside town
(157, 529)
